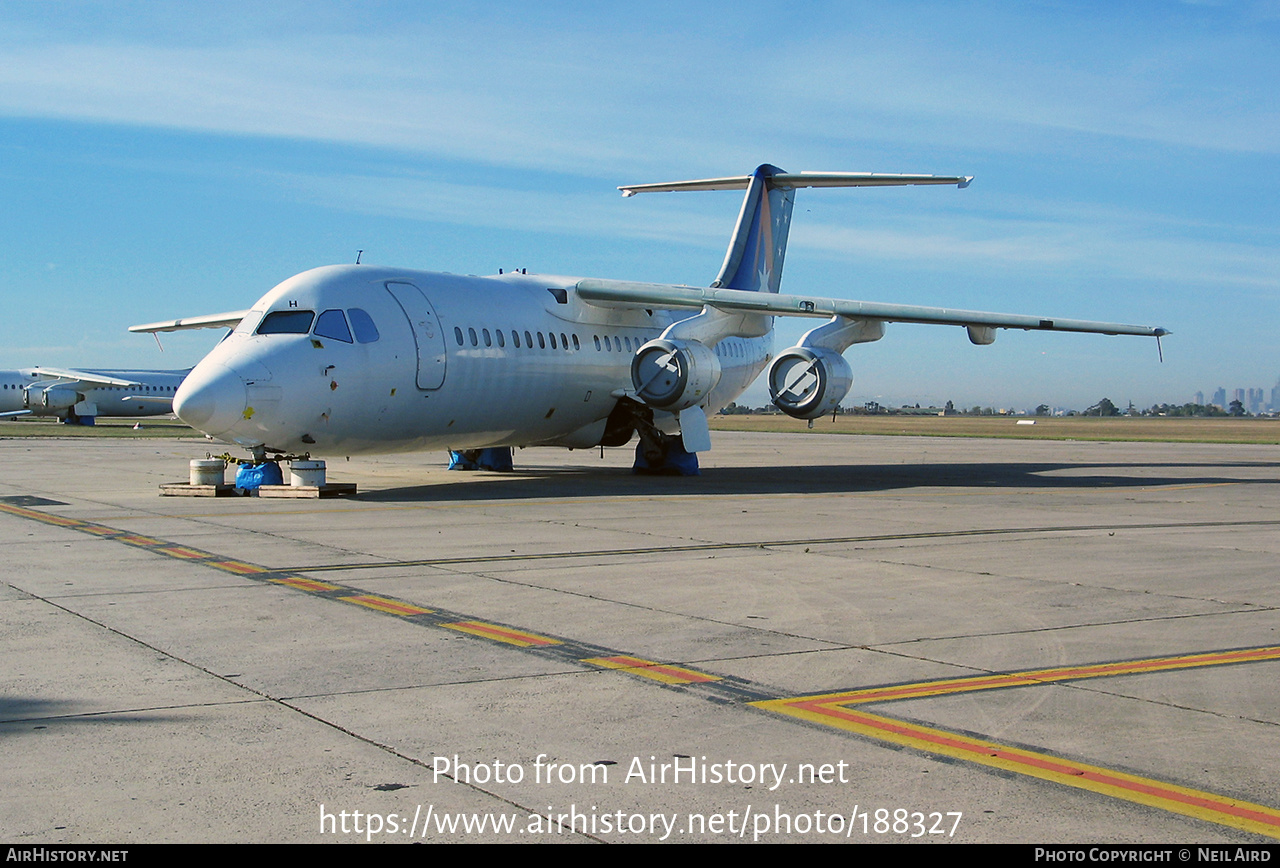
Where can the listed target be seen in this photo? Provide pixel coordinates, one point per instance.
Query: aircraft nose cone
(211, 399)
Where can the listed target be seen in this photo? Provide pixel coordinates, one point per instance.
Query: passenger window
(286, 322)
(332, 324)
(488, 341)
(502, 341)
(362, 325)
(457, 335)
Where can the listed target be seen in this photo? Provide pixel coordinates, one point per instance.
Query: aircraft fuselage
(349, 359)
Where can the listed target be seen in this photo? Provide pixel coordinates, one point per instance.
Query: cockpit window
(366, 331)
(332, 324)
(286, 322)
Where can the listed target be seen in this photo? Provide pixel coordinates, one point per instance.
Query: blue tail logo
(759, 243)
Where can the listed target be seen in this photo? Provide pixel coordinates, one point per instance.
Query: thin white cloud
(1118, 252)
(600, 213)
(1083, 241)
(552, 97)
(1213, 94)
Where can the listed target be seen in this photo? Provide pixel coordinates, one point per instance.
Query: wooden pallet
(185, 489)
(329, 489)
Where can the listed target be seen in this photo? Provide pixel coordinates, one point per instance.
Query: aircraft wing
(208, 321)
(617, 293)
(90, 378)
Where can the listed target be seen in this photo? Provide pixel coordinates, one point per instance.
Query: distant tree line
(1105, 407)
(1236, 409)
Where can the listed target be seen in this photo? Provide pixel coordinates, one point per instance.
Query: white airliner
(351, 359)
(79, 396)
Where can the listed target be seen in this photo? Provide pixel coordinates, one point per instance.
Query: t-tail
(759, 243)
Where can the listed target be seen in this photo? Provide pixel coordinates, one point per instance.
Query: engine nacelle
(51, 397)
(674, 375)
(807, 382)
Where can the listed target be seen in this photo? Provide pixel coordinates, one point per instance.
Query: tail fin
(759, 243)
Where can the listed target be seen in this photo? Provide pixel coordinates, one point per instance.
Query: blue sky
(168, 159)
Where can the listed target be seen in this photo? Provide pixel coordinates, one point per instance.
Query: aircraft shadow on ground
(586, 482)
(19, 714)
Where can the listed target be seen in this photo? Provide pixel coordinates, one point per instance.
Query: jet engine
(807, 382)
(674, 374)
(51, 396)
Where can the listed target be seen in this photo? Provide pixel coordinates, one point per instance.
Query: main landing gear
(658, 453)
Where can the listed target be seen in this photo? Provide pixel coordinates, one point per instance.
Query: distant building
(1255, 401)
(1220, 397)
(1200, 398)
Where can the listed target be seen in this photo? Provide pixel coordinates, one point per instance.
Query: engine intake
(674, 375)
(806, 383)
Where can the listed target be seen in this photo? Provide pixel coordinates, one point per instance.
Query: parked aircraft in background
(80, 396)
(357, 358)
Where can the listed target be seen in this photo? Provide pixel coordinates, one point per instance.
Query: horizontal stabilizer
(794, 180)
